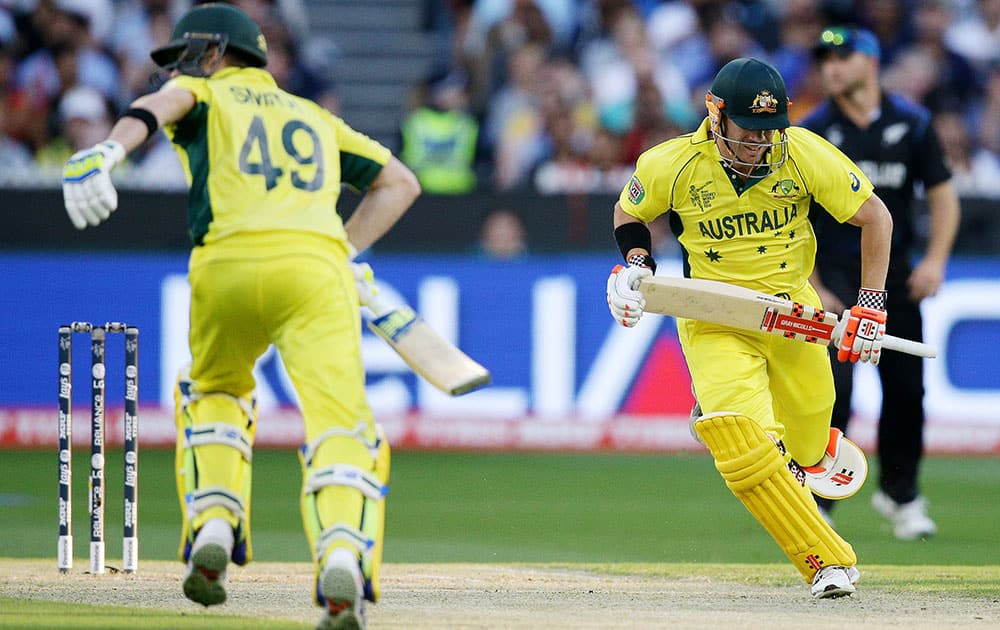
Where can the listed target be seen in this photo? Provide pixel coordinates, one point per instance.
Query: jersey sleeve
(195, 85)
(648, 193)
(834, 180)
(361, 158)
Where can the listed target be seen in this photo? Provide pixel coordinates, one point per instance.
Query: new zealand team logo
(764, 103)
(636, 193)
(785, 189)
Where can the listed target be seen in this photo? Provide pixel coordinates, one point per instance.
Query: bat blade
(428, 353)
(730, 305)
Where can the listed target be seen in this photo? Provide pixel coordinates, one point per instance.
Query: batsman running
(738, 191)
(270, 264)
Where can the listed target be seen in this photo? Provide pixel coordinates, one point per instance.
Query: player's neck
(861, 105)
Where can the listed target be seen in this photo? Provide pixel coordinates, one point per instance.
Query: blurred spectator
(956, 83)
(502, 236)
(807, 95)
(555, 20)
(976, 33)
(489, 58)
(291, 13)
(914, 75)
(141, 26)
(726, 39)
(291, 71)
(975, 172)
(615, 66)
(985, 114)
(649, 124)
(70, 53)
(440, 138)
(84, 120)
(13, 154)
(800, 26)
(891, 22)
(514, 126)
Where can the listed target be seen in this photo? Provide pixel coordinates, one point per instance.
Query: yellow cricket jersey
(260, 159)
(760, 238)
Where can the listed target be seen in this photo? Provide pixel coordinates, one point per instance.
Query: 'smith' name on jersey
(746, 223)
(248, 96)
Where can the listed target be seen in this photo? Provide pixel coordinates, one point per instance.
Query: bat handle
(897, 344)
(915, 348)
(376, 305)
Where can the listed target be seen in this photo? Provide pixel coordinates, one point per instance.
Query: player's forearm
(387, 200)
(945, 215)
(623, 218)
(876, 240)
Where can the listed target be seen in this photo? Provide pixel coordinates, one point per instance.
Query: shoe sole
(340, 593)
(833, 592)
(203, 584)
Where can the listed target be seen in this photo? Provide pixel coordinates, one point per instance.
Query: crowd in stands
(68, 68)
(569, 92)
(556, 96)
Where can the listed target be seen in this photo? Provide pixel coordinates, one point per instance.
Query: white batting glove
(88, 193)
(624, 299)
(364, 280)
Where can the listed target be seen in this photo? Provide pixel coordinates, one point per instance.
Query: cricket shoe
(835, 581)
(206, 579)
(909, 520)
(344, 604)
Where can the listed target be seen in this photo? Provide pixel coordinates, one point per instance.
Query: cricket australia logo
(764, 103)
(701, 197)
(785, 189)
(636, 193)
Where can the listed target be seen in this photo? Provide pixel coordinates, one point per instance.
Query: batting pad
(345, 482)
(213, 467)
(755, 471)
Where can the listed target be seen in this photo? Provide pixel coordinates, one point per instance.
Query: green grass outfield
(503, 508)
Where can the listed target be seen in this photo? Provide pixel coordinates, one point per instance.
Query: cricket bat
(739, 307)
(426, 352)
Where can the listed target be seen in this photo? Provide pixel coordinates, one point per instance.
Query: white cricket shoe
(909, 520)
(205, 582)
(344, 603)
(835, 581)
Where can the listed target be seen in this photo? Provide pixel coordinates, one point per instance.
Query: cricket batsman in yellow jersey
(738, 191)
(270, 264)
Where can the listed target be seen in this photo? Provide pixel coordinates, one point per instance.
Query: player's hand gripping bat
(739, 307)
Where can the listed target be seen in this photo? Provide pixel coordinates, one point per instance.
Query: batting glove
(88, 193)
(624, 299)
(364, 280)
(862, 338)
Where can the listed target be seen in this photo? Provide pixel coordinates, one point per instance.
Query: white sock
(346, 559)
(217, 531)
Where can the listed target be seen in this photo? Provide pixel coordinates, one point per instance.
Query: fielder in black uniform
(893, 142)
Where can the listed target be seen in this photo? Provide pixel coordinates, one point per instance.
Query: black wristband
(145, 116)
(633, 235)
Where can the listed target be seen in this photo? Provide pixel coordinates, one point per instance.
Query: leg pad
(756, 472)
